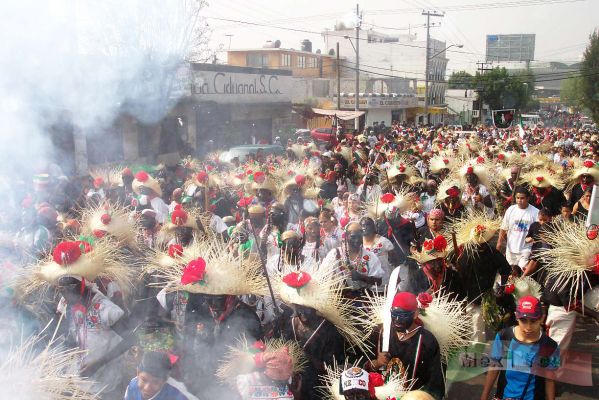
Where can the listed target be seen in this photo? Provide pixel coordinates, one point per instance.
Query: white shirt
(516, 222)
(381, 247)
(369, 265)
(161, 209)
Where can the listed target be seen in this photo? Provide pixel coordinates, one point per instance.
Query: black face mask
(263, 195)
(402, 320)
(277, 216)
(354, 239)
(148, 222)
(368, 228)
(306, 314)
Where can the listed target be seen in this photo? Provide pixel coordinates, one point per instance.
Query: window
(257, 60)
(311, 62)
(285, 60)
(301, 62)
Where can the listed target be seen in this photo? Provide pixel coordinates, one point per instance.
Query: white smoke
(87, 62)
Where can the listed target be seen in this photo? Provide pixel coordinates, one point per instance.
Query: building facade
(397, 56)
(218, 106)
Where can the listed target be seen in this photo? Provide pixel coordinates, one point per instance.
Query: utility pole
(357, 107)
(482, 69)
(338, 79)
(428, 14)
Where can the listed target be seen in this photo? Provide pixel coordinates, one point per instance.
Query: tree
(571, 92)
(500, 90)
(460, 80)
(590, 76)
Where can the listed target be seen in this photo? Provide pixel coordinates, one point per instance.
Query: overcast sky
(562, 27)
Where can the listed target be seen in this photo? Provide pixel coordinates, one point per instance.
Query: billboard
(519, 47)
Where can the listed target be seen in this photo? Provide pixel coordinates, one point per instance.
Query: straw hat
(110, 177)
(432, 249)
(472, 230)
(320, 288)
(244, 358)
(477, 168)
(570, 256)
(215, 271)
(589, 167)
(526, 286)
(181, 218)
(110, 219)
(438, 163)
(442, 315)
(448, 187)
(543, 178)
(388, 202)
(143, 179)
(394, 387)
(262, 181)
(78, 259)
(204, 179)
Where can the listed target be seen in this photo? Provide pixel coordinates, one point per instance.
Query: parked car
(327, 135)
(241, 152)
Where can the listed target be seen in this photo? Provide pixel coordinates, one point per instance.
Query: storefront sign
(233, 87)
(380, 102)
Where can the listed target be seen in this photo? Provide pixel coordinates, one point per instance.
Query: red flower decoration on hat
(540, 179)
(387, 198)
(259, 177)
(424, 299)
(439, 243)
(98, 182)
(589, 164)
(179, 217)
(175, 250)
(480, 229)
(290, 173)
(105, 218)
(245, 201)
(134, 202)
(445, 161)
(127, 172)
(194, 272)
(374, 380)
(509, 289)
(99, 233)
(402, 168)
(142, 176)
(258, 346)
(85, 247)
(66, 253)
(300, 180)
(248, 171)
(480, 160)
(297, 279)
(428, 245)
(501, 157)
(470, 170)
(202, 177)
(209, 168)
(453, 192)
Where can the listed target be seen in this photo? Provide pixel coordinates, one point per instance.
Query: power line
(474, 7)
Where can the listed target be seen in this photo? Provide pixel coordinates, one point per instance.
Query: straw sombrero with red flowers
(110, 220)
(432, 249)
(207, 267)
(143, 179)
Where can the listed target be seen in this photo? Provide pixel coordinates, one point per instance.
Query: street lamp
(459, 46)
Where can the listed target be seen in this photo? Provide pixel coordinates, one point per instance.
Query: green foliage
(500, 90)
(460, 80)
(571, 92)
(590, 76)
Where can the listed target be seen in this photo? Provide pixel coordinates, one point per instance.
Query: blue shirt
(166, 393)
(521, 360)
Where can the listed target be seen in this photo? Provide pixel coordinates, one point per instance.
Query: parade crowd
(359, 268)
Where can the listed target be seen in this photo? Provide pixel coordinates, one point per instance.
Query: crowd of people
(356, 269)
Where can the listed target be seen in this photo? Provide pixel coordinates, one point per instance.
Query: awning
(344, 115)
(433, 110)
